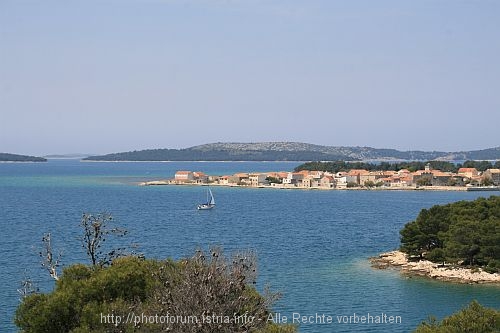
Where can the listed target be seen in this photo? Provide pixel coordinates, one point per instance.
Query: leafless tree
(96, 229)
(49, 260)
(215, 290)
(27, 286)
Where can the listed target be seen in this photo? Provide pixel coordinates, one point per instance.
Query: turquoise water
(311, 245)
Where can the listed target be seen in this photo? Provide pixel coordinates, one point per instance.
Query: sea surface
(312, 246)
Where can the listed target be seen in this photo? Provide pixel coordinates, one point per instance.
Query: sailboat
(210, 201)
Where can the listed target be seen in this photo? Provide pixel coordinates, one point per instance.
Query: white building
(184, 176)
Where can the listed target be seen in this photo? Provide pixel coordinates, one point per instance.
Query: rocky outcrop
(399, 260)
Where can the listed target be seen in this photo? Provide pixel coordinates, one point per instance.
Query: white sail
(212, 200)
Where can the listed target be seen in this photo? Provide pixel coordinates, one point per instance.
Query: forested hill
(5, 157)
(288, 151)
(412, 166)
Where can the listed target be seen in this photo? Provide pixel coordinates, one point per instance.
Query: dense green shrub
(473, 319)
(91, 298)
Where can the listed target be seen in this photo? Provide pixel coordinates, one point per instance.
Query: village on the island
(465, 179)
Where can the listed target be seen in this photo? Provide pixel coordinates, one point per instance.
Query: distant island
(290, 151)
(5, 157)
(66, 156)
(458, 242)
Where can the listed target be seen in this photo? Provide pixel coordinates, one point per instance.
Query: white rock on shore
(154, 182)
(426, 268)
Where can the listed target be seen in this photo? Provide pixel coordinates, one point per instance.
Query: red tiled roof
(466, 170)
(439, 173)
(241, 175)
(355, 172)
(419, 172)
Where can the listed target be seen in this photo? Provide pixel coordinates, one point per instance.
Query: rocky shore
(399, 260)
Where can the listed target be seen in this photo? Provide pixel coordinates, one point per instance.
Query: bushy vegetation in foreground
(464, 232)
(121, 291)
(472, 319)
(100, 299)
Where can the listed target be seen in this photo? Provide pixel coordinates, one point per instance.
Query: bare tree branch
(48, 260)
(95, 231)
(27, 286)
(212, 285)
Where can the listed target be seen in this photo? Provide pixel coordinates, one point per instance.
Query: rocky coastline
(450, 273)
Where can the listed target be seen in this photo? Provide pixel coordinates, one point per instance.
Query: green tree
(487, 181)
(425, 233)
(83, 292)
(464, 232)
(436, 255)
(473, 319)
(479, 165)
(463, 242)
(424, 181)
(369, 184)
(336, 166)
(205, 284)
(412, 240)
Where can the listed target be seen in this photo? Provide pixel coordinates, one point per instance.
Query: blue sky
(117, 75)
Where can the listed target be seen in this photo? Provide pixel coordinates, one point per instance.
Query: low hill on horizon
(289, 151)
(67, 156)
(6, 157)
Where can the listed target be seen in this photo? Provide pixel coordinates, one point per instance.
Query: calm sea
(312, 245)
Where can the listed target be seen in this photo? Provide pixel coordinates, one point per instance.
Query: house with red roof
(468, 172)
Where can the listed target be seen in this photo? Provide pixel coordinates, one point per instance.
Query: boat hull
(205, 207)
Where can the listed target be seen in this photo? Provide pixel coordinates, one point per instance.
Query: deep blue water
(312, 245)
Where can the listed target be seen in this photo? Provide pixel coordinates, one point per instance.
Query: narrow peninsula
(457, 242)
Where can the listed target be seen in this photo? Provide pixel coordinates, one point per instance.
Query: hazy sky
(116, 75)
